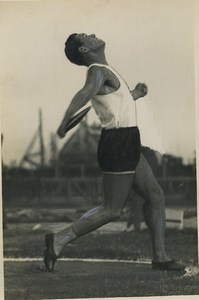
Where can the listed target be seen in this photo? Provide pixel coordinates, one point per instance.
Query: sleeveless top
(116, 109)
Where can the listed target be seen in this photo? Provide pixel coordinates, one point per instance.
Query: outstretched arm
(139, 91)
(94, 81)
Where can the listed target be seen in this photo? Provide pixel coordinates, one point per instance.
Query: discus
(76, 119)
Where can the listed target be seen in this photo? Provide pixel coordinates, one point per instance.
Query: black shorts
(119, 149)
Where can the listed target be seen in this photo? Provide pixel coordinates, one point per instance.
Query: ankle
(161, 257)
(63, 238)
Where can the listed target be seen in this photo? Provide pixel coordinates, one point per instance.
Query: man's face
(90, 41)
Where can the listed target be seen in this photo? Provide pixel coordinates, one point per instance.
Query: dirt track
(27, 280)
(82, 279)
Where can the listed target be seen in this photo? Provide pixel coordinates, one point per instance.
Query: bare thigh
(116, 189)
(145, 183)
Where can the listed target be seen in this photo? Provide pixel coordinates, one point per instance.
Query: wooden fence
(69, 191)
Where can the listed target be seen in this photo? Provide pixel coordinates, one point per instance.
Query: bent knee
(156, 197)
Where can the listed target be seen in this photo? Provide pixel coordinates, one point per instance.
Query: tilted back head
(72, 52)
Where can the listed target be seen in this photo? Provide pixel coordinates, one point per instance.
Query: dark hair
(71, 50)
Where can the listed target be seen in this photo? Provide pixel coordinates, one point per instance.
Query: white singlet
(117, 109)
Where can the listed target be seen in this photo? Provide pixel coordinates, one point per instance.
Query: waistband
(120, 129)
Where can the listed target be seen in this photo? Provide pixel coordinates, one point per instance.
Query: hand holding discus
(72, 122)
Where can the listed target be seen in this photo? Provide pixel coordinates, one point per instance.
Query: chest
(110, 85)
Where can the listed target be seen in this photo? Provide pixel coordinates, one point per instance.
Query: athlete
(119, 151)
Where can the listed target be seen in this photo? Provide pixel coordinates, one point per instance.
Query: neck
(96, 59)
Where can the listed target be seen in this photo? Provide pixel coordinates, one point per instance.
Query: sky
(149, 41)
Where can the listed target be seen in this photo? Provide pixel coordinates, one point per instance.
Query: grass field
(79, 279)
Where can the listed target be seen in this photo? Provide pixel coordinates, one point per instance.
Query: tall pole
(54, 154)
(42, 150)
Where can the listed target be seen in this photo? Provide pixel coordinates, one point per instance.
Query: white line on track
(29, 259)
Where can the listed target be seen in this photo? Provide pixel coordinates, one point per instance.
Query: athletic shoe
(49, 255)
(171, 265)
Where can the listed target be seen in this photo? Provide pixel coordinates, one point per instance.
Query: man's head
(79, 47)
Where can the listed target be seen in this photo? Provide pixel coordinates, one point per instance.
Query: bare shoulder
(101, 71)
(107, 79)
